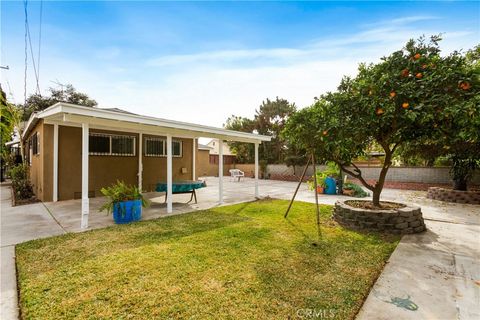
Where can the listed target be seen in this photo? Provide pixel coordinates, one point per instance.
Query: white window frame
(145, 152)
(110, 153)
(181, 149)
(164, 155)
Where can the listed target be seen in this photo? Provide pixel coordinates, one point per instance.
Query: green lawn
(242, 261)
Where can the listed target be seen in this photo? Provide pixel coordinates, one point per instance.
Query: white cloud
(207, 87)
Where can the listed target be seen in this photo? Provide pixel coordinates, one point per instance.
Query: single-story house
(74, 151)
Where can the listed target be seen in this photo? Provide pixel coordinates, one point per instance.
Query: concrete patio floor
(432, 275)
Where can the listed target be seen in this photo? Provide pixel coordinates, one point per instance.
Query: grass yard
(243, 261)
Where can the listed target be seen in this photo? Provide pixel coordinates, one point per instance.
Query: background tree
(244, 152)
(401, 99)
(62, 93)
(270, 119)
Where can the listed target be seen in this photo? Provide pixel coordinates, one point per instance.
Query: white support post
(220, 171)
(256, 170)
(194, 156)
(85, 200)
(169, 174)
(55, 162)
(140, 161)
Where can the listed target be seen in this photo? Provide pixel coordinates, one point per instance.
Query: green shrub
(21, 182)
(358, 191)
(119, 192)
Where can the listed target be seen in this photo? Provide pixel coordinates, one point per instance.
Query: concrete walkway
(18, 224)
(433, 275)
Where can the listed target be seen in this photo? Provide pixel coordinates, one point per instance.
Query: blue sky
(203, 61)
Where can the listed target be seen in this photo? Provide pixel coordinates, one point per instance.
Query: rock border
(457, 196)
(404, 220)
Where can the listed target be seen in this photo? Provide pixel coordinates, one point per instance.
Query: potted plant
(321, 184)
(124, 201)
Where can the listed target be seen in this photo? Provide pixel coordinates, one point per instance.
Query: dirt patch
(21, 202)
(386, 205)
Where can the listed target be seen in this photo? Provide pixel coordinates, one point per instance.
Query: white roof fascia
(61, 107)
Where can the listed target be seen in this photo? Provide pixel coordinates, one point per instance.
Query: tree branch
(357, 175)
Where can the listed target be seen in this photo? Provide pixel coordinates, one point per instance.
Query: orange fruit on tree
(419, 75)
(379, 111)
(405, 73)
(325, 132)
(417, 56)
(464, 85)
(393, 94)
(405, 105)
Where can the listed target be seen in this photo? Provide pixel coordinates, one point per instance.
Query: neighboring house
(74, 151)
(228, 156)
(214, 148)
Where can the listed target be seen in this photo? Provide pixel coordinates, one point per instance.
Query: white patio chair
(236, 173)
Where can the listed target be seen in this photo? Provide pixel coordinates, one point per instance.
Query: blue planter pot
(127, 211)
(331, 186)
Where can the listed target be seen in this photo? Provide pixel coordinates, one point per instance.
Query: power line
(27, 36)
(26, 56)
(39, 41)
(33, 58)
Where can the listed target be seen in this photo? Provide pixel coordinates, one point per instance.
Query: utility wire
(39, 42)
(26, 56)
(33, 57)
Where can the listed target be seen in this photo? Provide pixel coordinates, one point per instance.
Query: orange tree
(406, 97)
(457, 135)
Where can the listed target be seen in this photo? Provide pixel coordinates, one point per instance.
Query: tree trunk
(381, 179)
(376, 197)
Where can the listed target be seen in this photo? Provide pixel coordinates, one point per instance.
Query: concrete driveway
(433, 275)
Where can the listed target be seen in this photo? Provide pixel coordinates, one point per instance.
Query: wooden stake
(298, 186)
(316, 195)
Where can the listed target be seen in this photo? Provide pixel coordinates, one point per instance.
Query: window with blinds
(100, 144)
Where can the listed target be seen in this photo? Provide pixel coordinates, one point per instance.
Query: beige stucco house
(74, 151)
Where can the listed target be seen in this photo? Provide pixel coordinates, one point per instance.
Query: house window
(100, 144)
(35, 143)
(177, 148)
(154, 147)
(123, 145)
(157, 147)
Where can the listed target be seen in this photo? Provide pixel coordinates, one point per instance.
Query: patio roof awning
(65, 114)
(75, 115)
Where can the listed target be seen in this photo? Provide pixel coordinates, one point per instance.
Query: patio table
(180, 187)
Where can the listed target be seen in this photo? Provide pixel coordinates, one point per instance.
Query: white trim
(55, 162)
(220, 171)
(73, 109)
(140, 161)
(194, 156)
(169, 174)
(85, 200)
(113, 125)
(256, 170)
